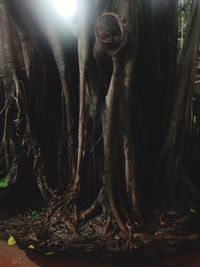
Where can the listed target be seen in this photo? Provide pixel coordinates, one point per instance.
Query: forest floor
(164, 232)
(14, 256)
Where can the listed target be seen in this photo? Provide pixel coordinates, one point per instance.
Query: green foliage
(4, 183)
(33, 215)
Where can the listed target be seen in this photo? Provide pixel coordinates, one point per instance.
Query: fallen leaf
(11, 241)
(49, 253)
(31, 247)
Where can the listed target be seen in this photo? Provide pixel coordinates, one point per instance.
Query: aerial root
(94, 207)
(130, 243)
(107, 226)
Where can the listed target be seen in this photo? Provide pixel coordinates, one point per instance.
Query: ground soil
(171, 232)
(14, 256)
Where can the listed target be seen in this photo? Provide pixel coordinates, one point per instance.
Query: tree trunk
(122, 116)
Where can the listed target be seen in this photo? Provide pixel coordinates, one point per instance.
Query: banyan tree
(96, 122)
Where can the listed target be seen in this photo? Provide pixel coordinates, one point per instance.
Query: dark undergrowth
(50, 229)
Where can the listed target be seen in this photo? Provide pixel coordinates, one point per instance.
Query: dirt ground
(13, 256)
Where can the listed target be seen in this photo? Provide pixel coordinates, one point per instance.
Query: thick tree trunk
(175, 149)
(125, 113)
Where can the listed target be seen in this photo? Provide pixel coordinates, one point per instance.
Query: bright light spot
(66, 8)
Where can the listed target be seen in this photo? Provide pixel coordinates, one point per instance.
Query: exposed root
(116, 216)
(107, 226)
(88, 239)
(95, 206)
(130, 242)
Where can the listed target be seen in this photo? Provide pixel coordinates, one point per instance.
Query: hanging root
(83, 54)
(39, 172)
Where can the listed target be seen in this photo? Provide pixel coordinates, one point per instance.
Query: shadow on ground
(14, 256)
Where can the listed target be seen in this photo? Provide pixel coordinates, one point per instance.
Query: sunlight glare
(66, 8)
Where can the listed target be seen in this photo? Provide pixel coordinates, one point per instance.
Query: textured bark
(123, 125)
(175, 144)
